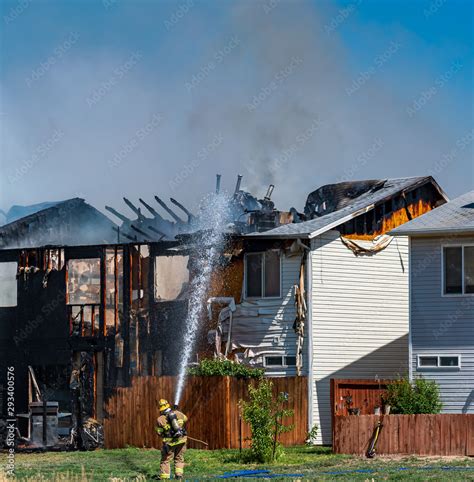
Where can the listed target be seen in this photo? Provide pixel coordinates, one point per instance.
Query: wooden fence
(442, 434)
(211, 404)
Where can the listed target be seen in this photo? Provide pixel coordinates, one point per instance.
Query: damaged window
(263, 274)
(171, 277)
(8, 284)
(458, 265)
(83, 283)
(83, 295)
(113, 290)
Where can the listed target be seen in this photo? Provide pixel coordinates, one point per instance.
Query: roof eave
(433, 232)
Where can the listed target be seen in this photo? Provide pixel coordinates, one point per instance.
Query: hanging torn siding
(263, 332)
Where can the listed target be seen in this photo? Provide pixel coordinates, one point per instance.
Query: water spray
(213, 220)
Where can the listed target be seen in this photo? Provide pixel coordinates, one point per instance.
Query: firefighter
(171, 427)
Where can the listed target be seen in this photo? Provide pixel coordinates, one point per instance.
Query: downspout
(309, 327)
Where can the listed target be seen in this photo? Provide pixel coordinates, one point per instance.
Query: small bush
(421, 396)
(213, 367)
(265, 416)
(312, 435)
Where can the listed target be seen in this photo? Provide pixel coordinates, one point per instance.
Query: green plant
(421, 396)
(265, 416)
(312, 435)
(214, 367)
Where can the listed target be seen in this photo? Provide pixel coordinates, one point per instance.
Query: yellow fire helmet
(164, 405)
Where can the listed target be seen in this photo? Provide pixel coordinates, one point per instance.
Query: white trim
(309, 335)
(420, 367)
(463, 275)
(262, 280)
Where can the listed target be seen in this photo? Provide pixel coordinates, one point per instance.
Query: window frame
(15, 281)
(463, 276)
(262, 279)
(283, 357)
(420, 367)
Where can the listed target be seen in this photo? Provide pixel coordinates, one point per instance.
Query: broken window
(113, 290)
(263, 274)
(84, 320)
(83, 296)
(140, 256)
(53, 259)
(171, 277)
(8, 284)
(83, 283)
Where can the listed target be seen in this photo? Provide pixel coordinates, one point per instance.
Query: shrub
(421, 396)
(214, 367)
(265, 416)
(312, 435)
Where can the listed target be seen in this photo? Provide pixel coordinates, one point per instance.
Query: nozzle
(218, 183)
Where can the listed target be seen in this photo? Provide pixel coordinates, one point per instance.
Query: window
(8, 284)
(262, 274)
(458, 268)
(83, 283)
(171, 277)
(83, 296)
(113, 290)
(439, 361)
(280, 361)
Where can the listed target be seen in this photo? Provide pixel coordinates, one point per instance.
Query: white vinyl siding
(359, 318)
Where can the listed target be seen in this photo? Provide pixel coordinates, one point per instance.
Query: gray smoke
(275, 98)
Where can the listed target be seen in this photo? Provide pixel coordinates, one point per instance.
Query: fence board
(441, 434)
(211, 404)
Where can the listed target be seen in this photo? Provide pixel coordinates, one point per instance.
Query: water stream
(214, 217)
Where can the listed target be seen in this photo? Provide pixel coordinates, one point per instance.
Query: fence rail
(442, 434)
(211, 403)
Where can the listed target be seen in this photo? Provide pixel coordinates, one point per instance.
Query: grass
(314, 463)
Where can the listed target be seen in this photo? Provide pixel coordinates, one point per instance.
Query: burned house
(328, 297)
(79, 320)
(320, 293)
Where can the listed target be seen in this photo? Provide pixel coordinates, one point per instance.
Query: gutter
(432, 232)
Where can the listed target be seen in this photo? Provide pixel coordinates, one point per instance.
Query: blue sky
(110, 98)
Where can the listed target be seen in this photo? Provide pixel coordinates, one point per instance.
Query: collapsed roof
(248, 214)
(334, 204)
(71, 222)
(74, 222)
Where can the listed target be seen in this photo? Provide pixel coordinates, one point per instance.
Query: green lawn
(312, 462)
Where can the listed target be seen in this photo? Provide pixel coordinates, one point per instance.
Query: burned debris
(249, 214)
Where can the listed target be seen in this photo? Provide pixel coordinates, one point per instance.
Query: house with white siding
(329, 297)
(441, 339)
